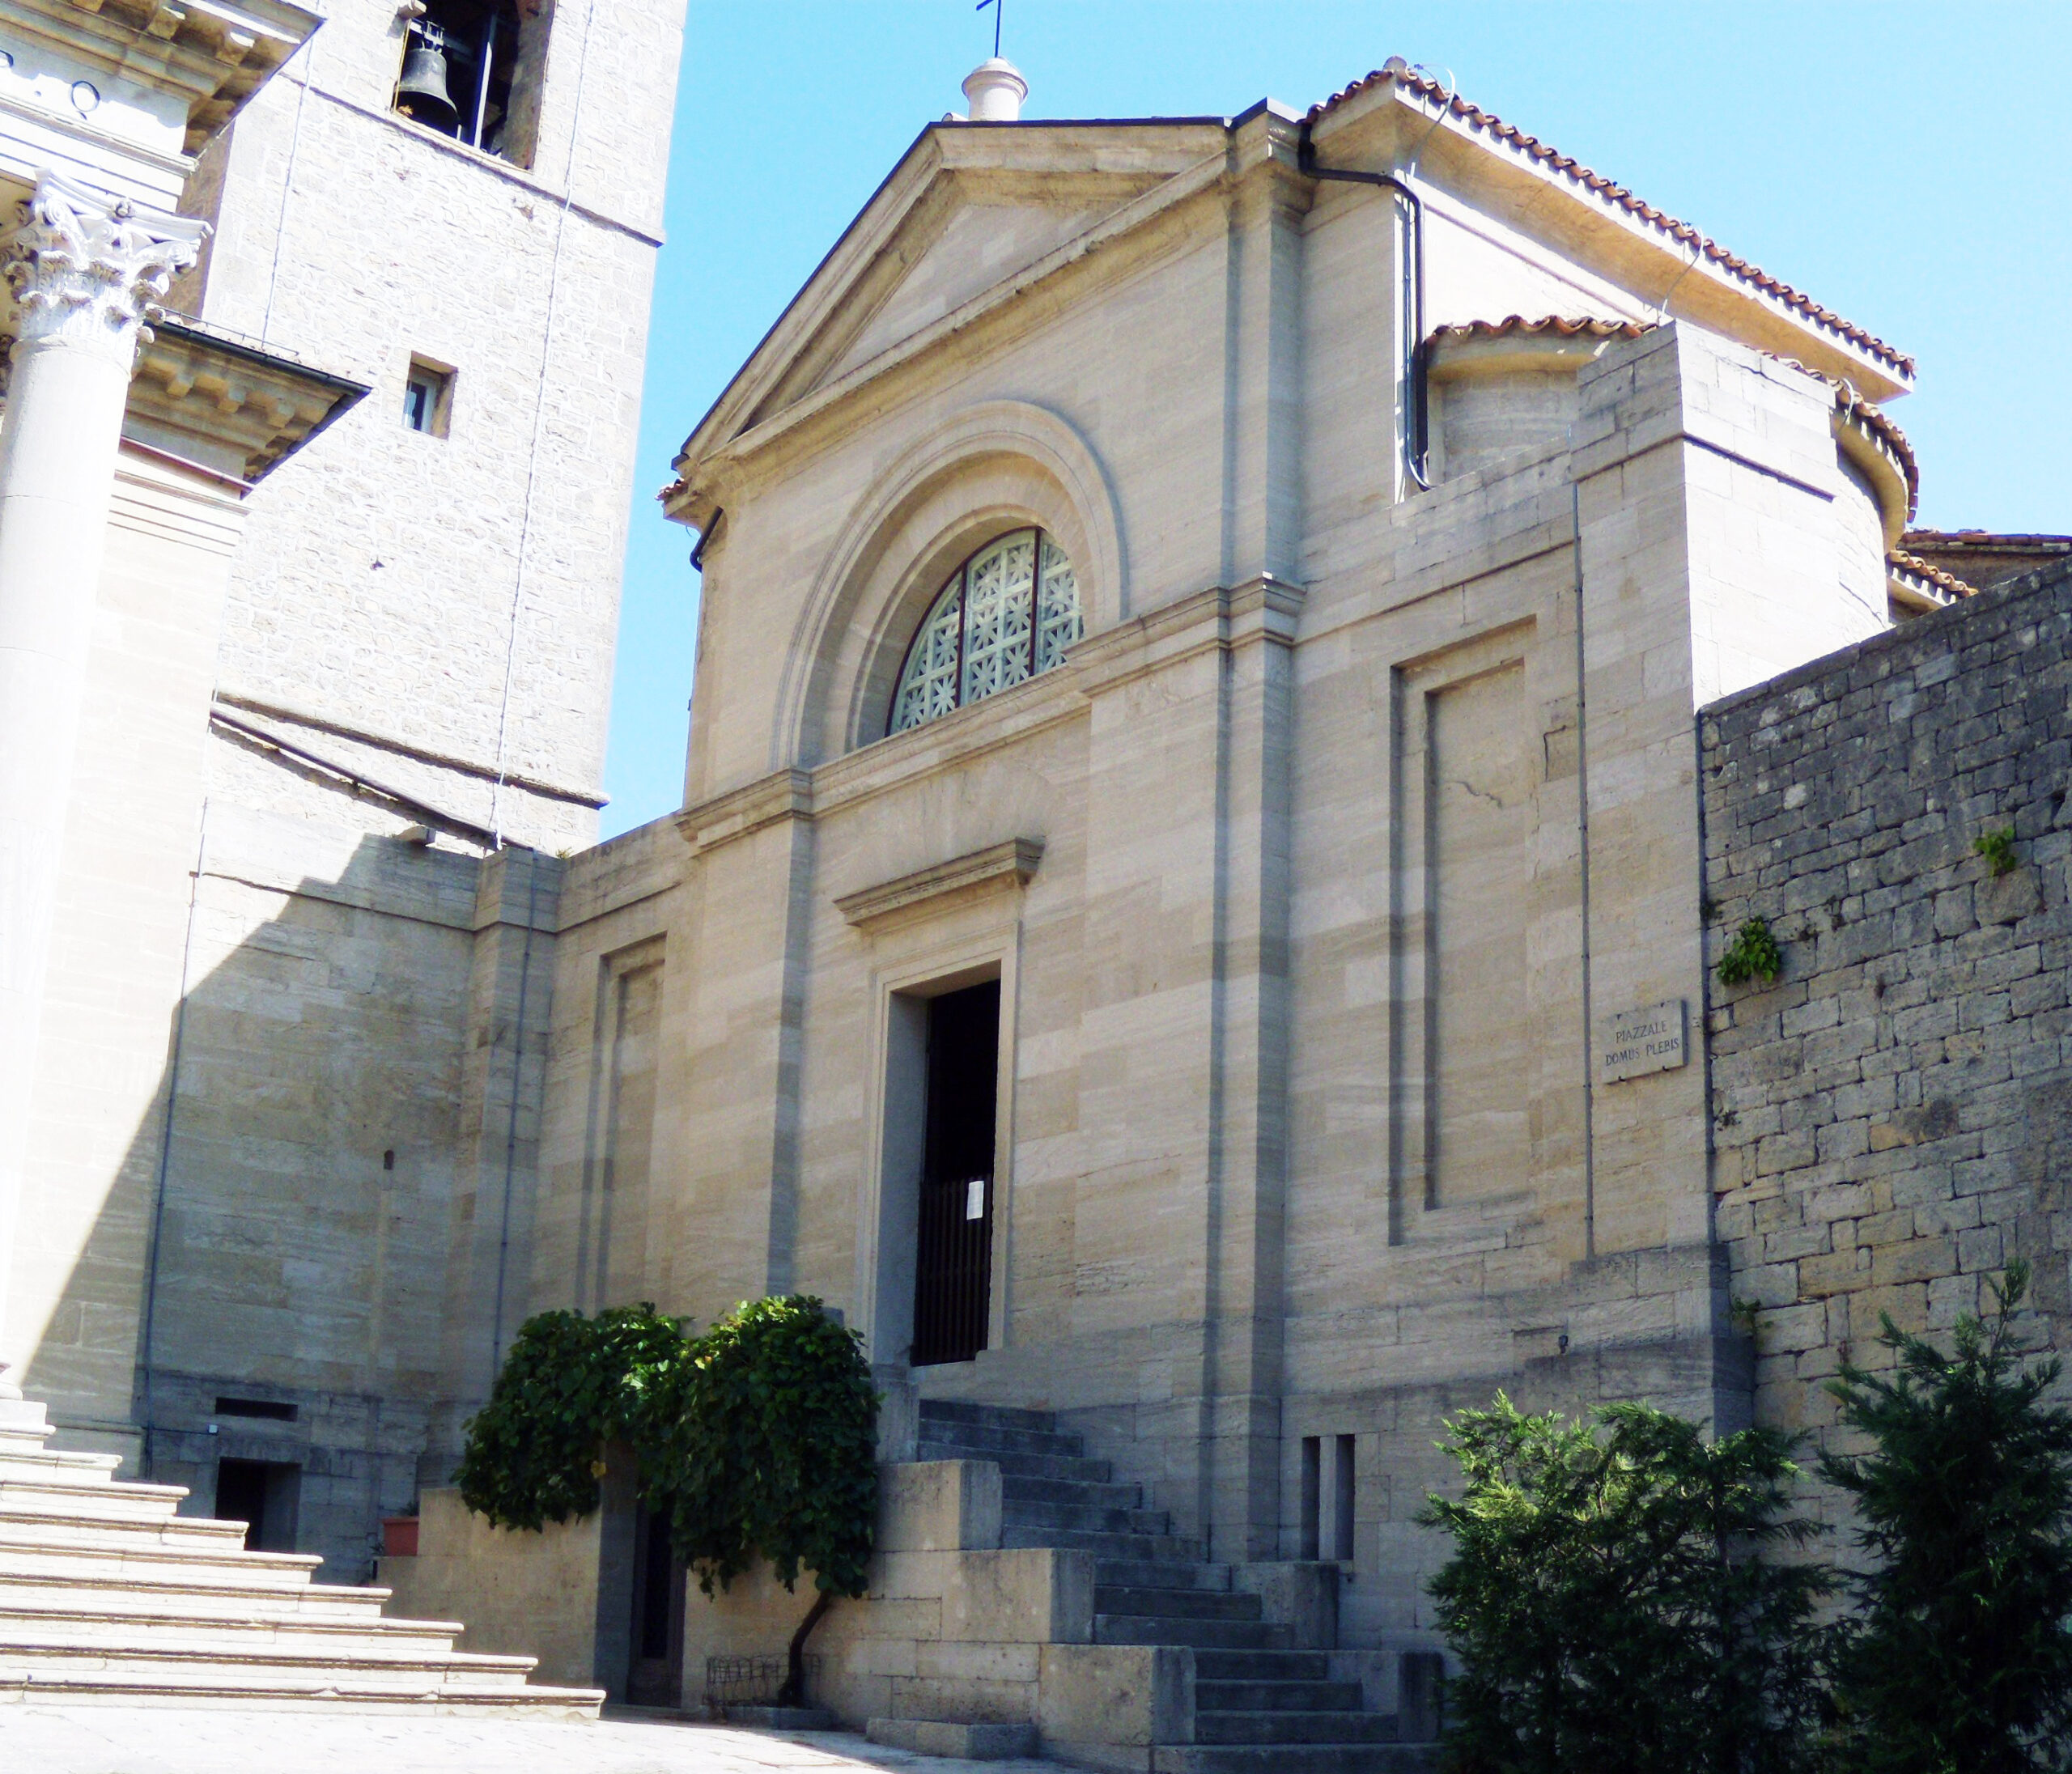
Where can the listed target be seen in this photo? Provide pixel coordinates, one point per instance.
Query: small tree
(1961, 1658)
(756, 1441)
(764, 1446)
(1606, 1602)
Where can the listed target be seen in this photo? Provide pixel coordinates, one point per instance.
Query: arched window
(1006, 614)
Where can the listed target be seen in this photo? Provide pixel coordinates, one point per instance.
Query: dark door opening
(655, 1674)
(953, 1269)
(264, 1494)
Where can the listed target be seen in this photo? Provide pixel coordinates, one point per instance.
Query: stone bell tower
(458, 202)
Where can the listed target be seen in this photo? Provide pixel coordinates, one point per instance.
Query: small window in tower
(427, 397)
(470, 71)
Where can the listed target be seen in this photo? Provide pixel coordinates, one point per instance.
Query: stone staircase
(1260, 1707)
(106, 1594)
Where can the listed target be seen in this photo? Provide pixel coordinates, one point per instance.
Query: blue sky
(1904, 164)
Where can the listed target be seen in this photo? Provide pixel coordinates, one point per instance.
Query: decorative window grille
(1008, 613)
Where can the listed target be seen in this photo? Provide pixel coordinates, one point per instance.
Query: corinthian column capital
(86, 268)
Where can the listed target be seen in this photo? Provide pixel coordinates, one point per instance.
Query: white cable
(287, 182)
(539, 423)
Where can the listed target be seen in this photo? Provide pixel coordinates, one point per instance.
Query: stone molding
(1010, 864)
(86, 271)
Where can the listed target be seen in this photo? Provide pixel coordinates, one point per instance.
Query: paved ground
(138, 1740)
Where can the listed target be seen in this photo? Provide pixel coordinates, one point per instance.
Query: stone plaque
(1631, 1043)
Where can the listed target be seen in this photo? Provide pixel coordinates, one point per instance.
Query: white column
(84, 268)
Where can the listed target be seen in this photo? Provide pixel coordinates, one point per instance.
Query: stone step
(1016, 1491)
(23, 1461)
(1022, 1465)
(1162, 1548)
(1177, 1629)
(105, 1620)
(1085, 1518)
(314, 1694)
(1322, 1696)
(982, 1442)
(1162, 1602)
(1294, 1759)
(1230, 1665)
(103, 1499)
(301, 1600)
(992, 1416)
(28, 1552)
(1160, 1574)
(142, 1655)
(1286, 1726)
(77, 1528)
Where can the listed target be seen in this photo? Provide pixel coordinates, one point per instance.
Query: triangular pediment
(968, 212)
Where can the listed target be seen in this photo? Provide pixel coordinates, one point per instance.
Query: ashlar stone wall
(1890, 1117)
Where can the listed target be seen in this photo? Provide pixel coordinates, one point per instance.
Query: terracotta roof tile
(1514, 324)
(1617, 196)
(1908, 565)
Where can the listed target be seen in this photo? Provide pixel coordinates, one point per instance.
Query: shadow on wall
(295, 1292)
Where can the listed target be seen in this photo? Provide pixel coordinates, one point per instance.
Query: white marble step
(69, 1623)
(22, 1461)
(72, 1526)
(36, 1549)
(226, 1597)
(103, 1500)
(117, 1688)
(134, 1653)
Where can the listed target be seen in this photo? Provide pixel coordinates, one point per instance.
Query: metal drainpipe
(1416, 443)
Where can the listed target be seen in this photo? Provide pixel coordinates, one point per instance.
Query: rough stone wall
(1890, 1116)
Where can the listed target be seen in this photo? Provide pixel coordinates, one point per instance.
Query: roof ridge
(1395, 71)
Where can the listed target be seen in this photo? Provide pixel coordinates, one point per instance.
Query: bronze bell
(420, 94)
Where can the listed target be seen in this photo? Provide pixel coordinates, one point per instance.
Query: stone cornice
(1005, 865)
(211, 54)
(236, 407)
(1260, 611)
(786, 794)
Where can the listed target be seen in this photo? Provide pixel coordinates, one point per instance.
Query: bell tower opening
(468, 71)
(952, 1265)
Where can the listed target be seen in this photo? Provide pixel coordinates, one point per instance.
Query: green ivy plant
(757, 1440)
(1997, 848)
(1753, 954)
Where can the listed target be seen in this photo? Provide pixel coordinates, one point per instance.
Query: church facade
(1187, 911)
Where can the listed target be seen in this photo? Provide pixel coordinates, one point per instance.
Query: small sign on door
(974, 1199)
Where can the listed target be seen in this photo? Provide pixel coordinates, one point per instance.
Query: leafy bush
(763, 1445)
(1753, 954)
(756, 1441)
(1961, 1658)
(1605, 1603)
(534, 1451)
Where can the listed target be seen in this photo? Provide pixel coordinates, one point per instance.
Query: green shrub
(1961, 1658)
(1753, 954)
(1606, 1604)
